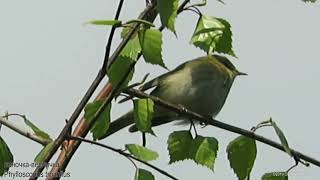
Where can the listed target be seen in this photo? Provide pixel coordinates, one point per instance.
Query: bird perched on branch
(200, 85)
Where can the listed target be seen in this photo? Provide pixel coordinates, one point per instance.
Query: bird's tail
(127, 120)
(120, 123)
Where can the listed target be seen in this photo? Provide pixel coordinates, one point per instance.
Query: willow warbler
(200, 85)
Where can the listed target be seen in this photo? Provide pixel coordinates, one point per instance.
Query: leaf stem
(23, 132)
(139, 21)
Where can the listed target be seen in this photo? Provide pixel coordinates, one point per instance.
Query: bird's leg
(192, 126)
(144, 139)
(182, 108)
(191, 123)
(204, 124)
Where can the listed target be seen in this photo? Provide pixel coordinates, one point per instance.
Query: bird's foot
(182, 108)
(192, 126)
(203, 124)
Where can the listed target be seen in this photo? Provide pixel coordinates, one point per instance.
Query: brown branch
(219, 124)
(23, 132)
(83, 127)
(124, 154)
(101, 74)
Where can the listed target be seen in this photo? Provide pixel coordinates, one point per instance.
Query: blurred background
(49, 58)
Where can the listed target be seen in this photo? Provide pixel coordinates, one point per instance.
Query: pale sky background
(48, 59)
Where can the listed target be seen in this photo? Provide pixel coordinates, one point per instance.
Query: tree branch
(23, 132)
(101, 74)
(124, 154)
(112, 31)
(83, 127)
(219, 124)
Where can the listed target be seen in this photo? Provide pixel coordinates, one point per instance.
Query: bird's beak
(241, 73)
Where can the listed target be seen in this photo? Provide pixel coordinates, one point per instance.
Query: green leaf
(116, 23)
(242, 153)
(6, 157)
(132, 49)
(142, 174)
(141, 152)
(309, 1)
(37, 131)
(146, 23)
(151, 41)
(203, 150)
(143, 113)
(126, 30)
(168, 12)
(282, 138)
(179, 143)
(118, 69)
(213, 35)
(275, 176)
(224, 44)
(101, 125)
(43, 153)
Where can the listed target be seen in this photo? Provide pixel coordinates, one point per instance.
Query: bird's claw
(182, 108)
(203, 124)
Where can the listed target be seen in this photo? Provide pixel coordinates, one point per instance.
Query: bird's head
(227, 64)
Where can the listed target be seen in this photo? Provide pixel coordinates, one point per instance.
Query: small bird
(200, 85)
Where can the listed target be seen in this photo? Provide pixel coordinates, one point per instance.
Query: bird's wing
(152, 83)
(156, 81)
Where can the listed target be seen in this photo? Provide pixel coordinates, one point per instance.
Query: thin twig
(112, 31)
(124, 154)
(197, 5)
(132, 86)
(219, 124)
(56, 144)
(65, 157)
(293, 166)
(197, 11)
(23, 132)
(132, 162)
(71, 150)
(14, 114)
(268, 124)
(101, 74)
(143, 16)
(180, 9)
